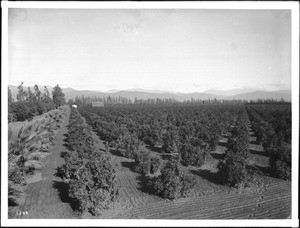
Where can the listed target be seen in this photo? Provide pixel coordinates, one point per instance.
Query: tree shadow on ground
(100, 135)
(166, 156)
(154, 148)
(144, 184)
(66, 141)
(225, 136)
(63, 192)
(263, 153)
(64, 154)
(59, 172)
(222, 143)
(66, 135)
(12, 202)
(213, 177)
(266, 170)
(116, 152)
(254, 142)
(217, 155)
(129, 165)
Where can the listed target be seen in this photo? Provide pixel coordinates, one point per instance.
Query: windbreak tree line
(30, 103)
(272, 125)
(110, 100)
(87, 171)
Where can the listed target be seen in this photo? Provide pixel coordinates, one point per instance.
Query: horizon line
(164, 90)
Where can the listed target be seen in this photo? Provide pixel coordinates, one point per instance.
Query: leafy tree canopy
(58, 96)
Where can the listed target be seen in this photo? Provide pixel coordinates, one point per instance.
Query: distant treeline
(109, 100)
(30, 103)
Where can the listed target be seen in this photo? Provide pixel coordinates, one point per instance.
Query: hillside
(264, 95)
(152, 94)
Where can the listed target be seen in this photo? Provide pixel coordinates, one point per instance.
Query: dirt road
(45, 197)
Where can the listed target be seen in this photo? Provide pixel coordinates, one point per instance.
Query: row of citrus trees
(191, 145)
(272, 125)
(165, 179)
(233, 169)
(191, 131)
(87, 171)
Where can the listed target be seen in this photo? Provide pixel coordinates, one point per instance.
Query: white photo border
(293, 6)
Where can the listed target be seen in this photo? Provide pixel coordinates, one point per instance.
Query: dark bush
(191, 155)
(32, 109)
(128, 144)
(280, 161)
(173, 182)
(232, 169)
(19, 110)
(49, 106)
(40, 107)
(145, 164)
(154, 164)
(11, 117)
(142, 162)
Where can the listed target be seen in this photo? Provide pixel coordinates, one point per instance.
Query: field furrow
(216, 207)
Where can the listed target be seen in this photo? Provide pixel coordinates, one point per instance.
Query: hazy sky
(178, 50)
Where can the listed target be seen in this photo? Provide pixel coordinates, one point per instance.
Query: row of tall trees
(28, 95)
(30, 103)
(119, 100)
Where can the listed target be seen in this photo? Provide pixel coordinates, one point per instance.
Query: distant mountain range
(247, 94)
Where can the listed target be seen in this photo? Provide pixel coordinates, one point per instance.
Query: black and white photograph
(150, 113)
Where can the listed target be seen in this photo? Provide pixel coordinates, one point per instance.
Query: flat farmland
(48, 192)
(269, 198)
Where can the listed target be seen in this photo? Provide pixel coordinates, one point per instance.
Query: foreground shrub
(19, 110)
(128, 145)
(11, 117)
(280, 161)
(145, 163)
(232, 169)
(172, 183)
(92, 185)
(191, 155)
